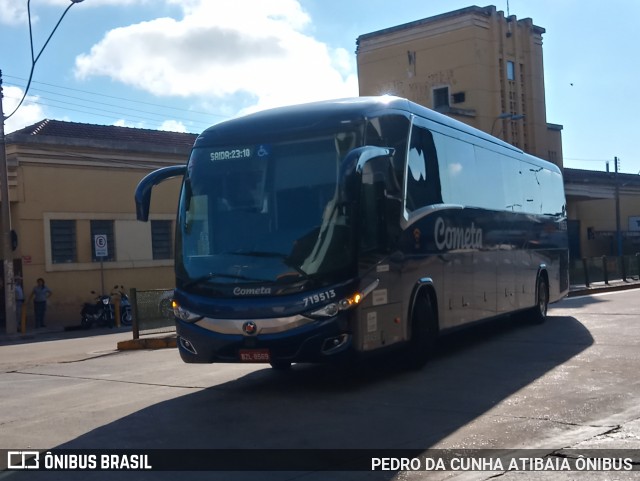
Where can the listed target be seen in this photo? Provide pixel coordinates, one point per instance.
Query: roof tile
(76, 130)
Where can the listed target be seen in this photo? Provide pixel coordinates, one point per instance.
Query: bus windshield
(265, 214)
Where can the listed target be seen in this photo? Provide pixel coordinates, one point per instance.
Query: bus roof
(301, 117)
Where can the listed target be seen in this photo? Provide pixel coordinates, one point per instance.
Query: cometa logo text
(251, 291)
(456, 238)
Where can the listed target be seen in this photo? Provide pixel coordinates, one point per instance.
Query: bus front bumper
(316, 341)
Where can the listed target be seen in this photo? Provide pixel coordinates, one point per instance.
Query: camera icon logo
(23, 460)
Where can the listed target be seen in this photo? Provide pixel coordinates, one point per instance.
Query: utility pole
(618, 228)
(5, 209)
(11, 325)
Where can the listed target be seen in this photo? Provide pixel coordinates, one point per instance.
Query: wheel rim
(543, 301)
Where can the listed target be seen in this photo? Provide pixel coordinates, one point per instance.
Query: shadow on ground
(373, 405)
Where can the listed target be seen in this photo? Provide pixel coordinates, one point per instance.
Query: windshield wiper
(276, 255)
(214, 275)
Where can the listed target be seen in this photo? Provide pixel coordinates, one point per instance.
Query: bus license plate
(254, 355)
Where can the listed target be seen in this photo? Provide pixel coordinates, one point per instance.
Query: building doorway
(17, 273)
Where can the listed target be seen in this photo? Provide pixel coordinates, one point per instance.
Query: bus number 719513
(320, 297)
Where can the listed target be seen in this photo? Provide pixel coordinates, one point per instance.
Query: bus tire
(538, 314)
(424, 332)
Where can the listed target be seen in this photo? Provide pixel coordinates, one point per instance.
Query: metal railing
(152, 311)
(605, 269)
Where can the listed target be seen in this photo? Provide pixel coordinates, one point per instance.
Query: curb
(599, 290)
(149, 343)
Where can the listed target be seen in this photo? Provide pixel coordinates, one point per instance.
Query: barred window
(161, 239)
(103, 227)
(63, 241)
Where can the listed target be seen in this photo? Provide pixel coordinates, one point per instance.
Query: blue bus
(334, 229)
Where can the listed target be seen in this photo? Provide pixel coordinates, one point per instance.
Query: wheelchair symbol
(263, 151)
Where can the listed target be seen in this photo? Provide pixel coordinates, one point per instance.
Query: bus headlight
(334, 308)
(184, 314)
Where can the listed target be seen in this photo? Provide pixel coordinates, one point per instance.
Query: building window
(63, 241)
(459, 97)
(440, 98)
(161, 239)
(105, 228)
(511, 70)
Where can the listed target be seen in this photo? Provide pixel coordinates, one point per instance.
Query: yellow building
(485, 69)
(473, 64)
(70, 182)
(599, 204)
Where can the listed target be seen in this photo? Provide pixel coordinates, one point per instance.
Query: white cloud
(218, 49)
(29, 113)
(12, 12)
(140, 124)
(126, 123)
(167, 125)
(173, 126)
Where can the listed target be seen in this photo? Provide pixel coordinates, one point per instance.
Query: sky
(183, 65)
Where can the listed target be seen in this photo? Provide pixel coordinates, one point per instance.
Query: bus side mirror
(367, 180)
(143, 190)
(353, 166)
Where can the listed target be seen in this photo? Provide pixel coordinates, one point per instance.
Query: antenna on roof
(508, 21)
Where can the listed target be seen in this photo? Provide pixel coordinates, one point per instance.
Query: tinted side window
(530, 182)
(459, 169)
(492, 179)
(511, 180)
(423, 177)
(390, 130)
(552, 193)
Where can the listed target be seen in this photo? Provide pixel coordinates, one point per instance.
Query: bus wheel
(424, 332)
(538, 314)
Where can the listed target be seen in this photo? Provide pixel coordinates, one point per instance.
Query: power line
(117, 111)
(104, 113)
(106, 103)
(34, 57)
(115, 115)
(588, 160)
(119, 98)
(124, 112)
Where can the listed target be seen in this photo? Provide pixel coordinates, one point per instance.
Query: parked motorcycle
(97, 313)
(125, 305)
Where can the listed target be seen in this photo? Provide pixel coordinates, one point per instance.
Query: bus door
(379, 320)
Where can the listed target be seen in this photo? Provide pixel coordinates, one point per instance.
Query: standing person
(40, 294)
(19, 301)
